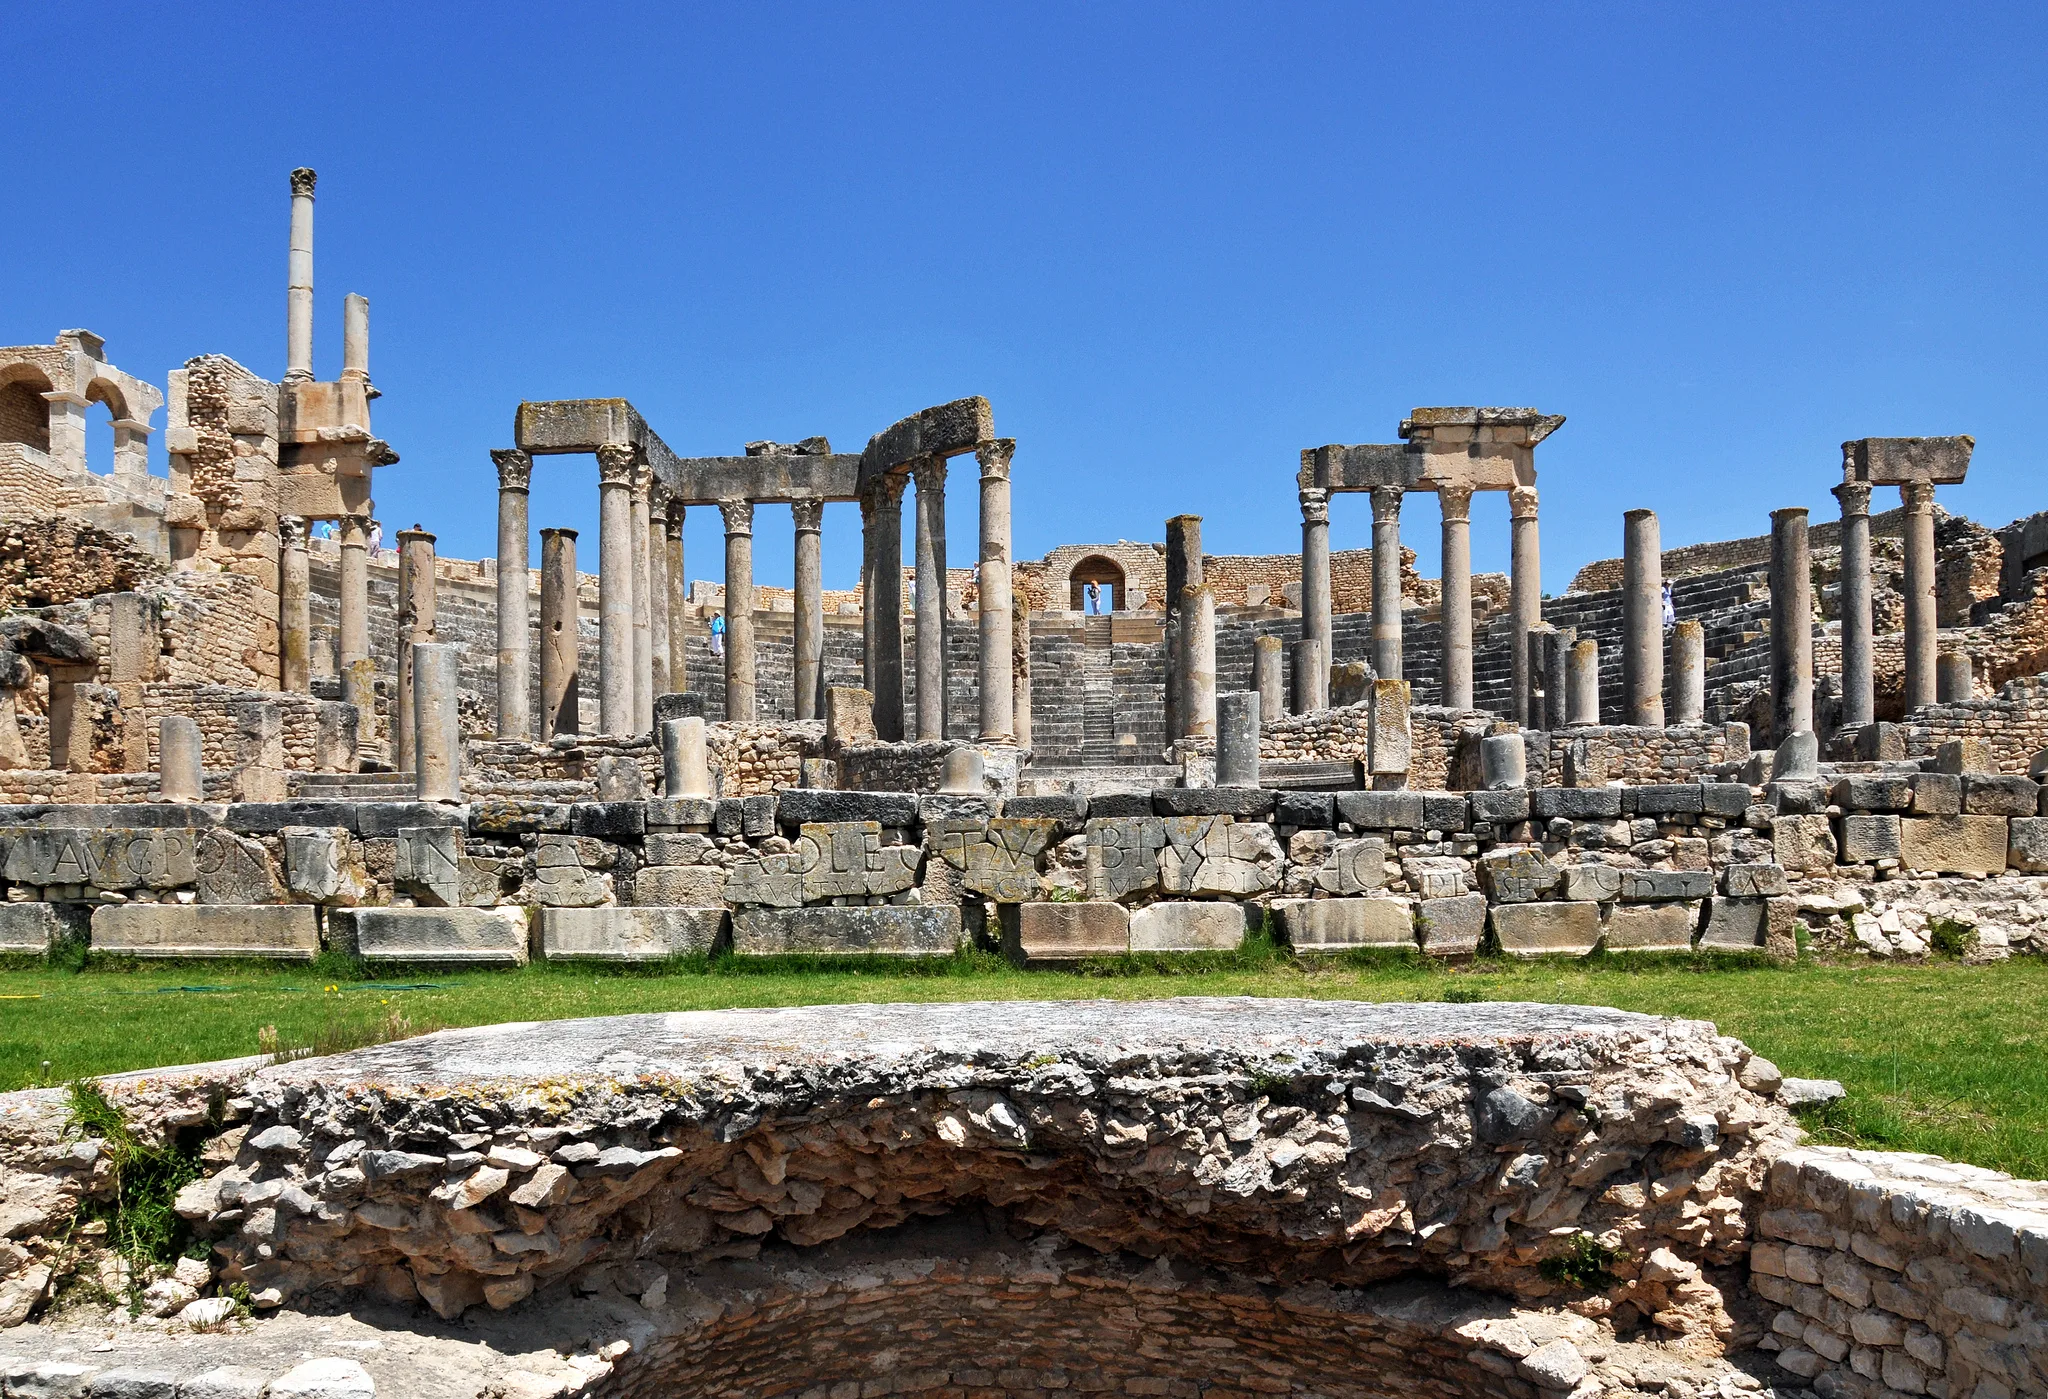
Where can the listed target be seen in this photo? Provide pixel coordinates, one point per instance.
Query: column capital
(885, 492)
(1855, 498)
(291, 531)
(1522, 503)
(515, 468)
(929, 473)
(615, 464)
(739, 517)
(1456, 503)
(1386, 502)
(303, 181)
(994, 456)
(355, 531)
(657, 494)
(1315, 505)
(642, 481)
(674, 515)
(1917, 497)
(809, 514)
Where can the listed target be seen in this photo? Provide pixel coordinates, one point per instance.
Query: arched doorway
(1107, 576)
(24, 414)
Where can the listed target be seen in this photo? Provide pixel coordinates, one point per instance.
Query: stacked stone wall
(53, 559)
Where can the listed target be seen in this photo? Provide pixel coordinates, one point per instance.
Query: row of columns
(295, 613)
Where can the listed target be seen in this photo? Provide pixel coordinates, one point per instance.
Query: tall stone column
(560, 692)
(883, 602)
(1791, 626)
(739, 609)
(294, 607)
(931, 597)
(1386, 582)
(1020, 667)
(809, 517)
(358, 671)
(1918, 498)
(1582, 684)
(1198, 650)
(643, 590)
(515, 578)
(1311, 676)
(437, 724)
(415, 626)
(1642, 620)
(1315, 573)
(1688, 673)
(678, 601)
(355, 339)
(657, 594)
(1183, 570)
(1557, 651)
(1525, 598)
(1858, 700)
(1456, 504)
(615, 589)
(996, 681)
(298, 306)
(1269, 674)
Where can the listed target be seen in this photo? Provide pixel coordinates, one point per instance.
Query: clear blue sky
(1173, 244)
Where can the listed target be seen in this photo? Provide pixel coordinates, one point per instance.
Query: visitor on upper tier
(718, 634)
(1095, 598)
(1670, 612)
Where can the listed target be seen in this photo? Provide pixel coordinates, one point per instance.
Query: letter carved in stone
(1123, 855)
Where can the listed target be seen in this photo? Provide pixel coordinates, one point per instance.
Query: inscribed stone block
(1354, 866)
(669, 848)
(236, 870)
(1734, 923)
(772, 881)
(1215, 855)
(28, 929)
(1664, 927)
(1435, 876)
(288, 931)
(429, 861)
(627, 934)
(1867, 838)
(1451, 927)
(1648, 886)
(1332, 925)
(1519, 875)
(1539, 929)
(2027, 844)
(1591, 883)
(1803, 844)
(1123, 855)
(846, 859)
(2000, 794)
(486, 936)
(1187, 927)
(1953, 844)
(1389, 741)
(1755, 881)
(679, 886)
(1003, 865)
(898, 930)
(316, 864)
(561, 879)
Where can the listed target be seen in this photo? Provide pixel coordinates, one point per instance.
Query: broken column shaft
(1582, 684)
(1791, 626)
(1688, 673)
(437, 727)
(181, 775)
(1198, 662)
(1642, 621)
(559, 691)
(1237, 739)
(1269, 674)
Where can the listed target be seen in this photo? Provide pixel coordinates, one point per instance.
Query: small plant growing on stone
(1586, 1264)
(1950, 937)
(1065, 894)
(141, 1225)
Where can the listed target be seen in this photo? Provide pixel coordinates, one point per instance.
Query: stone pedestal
(1642, 624)
(882, 601)
(615, 589)
(294, 607)
(1921, 688)
(1386, 582)
(1269, 674)
(930, 475)
(1389, 738)
(1183, 570)
(685, 759)
(415, 626)
(1525, 599)
(739, 609)
(1198, 651)
(1315, 572)
(808, 516)
(1858, 701)
(1954, 680)
(1688, 673)
(1791, 626)
(1582, 684)
(560, 694)
(1311, 676)
(437, 723)
(515, 661)
(1456, 504)
(1237, 739)
(997, 682)
(181, 776)
(1503, 762)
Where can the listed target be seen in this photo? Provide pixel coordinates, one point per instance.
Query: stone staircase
(354, 786)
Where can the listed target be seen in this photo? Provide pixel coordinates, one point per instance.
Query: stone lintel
(943, 431)
(1362, 467)
(763, 476)
(1895, 461)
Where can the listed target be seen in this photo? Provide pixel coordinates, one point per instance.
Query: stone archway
(1108, 577)
(24, 415)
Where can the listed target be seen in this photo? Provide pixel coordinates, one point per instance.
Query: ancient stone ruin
(234, 724)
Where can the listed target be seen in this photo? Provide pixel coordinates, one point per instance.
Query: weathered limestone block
(1805, 845)
(562, 873)
(771, 881)
(893, 930)
(627, 934)
(846, 859)
(679, 886)
(1047, 932)
(1218, 855)
(1937, 794)
(2000, 794)
(1652, 886)
(1755, 881)
(473, 935)
(1451, 927)
(2027, 844)
(673, 848)
(118, 858)
(1541, 929)
(1435, 876)
(1390, 743)
(1868, 838)
(1964, 755)
(1333, 925)
(236, 870)
(1518, 876)
(1665, 927)
(1590, 883)
(1953, 844)
(1872, 791)
(997, 858)
(288, 931)
(29, 929)
(1188, 927)
(1123, 855)
(429, 865)
(1353, 866)
(1735, 924)
(317, 866)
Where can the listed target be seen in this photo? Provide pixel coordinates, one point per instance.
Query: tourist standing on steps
(1670, 611)
(718, 634)
(1095, 599)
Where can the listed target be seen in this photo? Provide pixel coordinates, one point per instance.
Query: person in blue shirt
(718, 633)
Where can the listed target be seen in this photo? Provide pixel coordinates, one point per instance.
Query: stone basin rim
(696, 1043)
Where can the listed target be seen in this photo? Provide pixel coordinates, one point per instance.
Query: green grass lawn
(1944, 1058)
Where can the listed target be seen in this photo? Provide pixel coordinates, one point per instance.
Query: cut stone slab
(1652, 927)
(1188, 927)
(1804, 844)
(1334, 925)
(1734, 924)
(28, 929)
(1591, 883)
(1544, 929)
(1048, 932)
(680, 886)
(1452, 927)
(2000, 794)
(488, 936)
(2026, 845)
(1953, 844)
(894, 930)
(1809, 1092)
(1755, 881)
(1868, 838)
(627, 934)
(287, 931)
